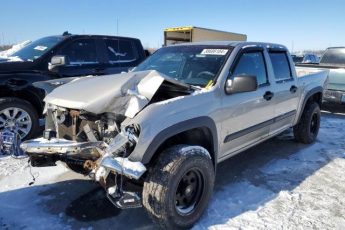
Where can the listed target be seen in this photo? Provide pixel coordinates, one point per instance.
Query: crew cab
(56, 57)
(332, 60)
(166, 125)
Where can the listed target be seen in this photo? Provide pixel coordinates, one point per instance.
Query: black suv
(57, 57)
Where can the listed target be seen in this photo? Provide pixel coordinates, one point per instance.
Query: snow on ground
(19, 199)
(279, 184)
(301, 190)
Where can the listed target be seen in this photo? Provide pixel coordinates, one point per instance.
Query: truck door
(286, 92)
(82, 58)
(246, 117)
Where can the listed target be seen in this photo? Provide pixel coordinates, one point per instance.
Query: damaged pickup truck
(153, 137)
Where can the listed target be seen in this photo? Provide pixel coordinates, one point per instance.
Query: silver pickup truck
(165, 126)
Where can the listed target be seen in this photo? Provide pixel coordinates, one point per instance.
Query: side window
(252, 64)
(120, 50)
(82, 51)
(280, 64)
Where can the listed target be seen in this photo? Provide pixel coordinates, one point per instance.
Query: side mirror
(56, 61)
(240, 84)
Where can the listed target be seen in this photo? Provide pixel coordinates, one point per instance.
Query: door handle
(293, 89)
(268, 95)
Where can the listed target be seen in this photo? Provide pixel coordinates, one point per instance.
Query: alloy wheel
(16, 120)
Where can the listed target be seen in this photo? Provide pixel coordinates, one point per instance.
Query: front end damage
(93, 148)
(89, 138)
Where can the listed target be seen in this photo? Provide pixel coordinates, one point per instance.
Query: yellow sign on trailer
(176, 35)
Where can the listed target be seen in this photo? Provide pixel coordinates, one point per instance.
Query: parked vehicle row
(57, 57)
(332, 60)
(165, 126)
(305, 58)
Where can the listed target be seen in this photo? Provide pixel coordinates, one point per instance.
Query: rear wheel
(179, 186)
(308, 127)
(18, 116)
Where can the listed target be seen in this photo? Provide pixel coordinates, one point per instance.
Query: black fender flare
(313, 91)
(161, 137)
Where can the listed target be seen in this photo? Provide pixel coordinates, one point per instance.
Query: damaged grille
(66, 129)
(73, 128)
(70, 125)
(82, 126)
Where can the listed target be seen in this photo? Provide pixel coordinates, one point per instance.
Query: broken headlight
(124, 143)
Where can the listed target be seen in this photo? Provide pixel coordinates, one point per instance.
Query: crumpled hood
(124, 94)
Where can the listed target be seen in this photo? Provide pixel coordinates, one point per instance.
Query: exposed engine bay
(90, 128)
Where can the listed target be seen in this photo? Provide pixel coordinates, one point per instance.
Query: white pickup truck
(165, 126)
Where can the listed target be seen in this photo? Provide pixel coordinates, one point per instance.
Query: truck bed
(336, 75)
(304, 71)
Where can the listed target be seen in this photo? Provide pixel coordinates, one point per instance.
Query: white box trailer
(183, 34)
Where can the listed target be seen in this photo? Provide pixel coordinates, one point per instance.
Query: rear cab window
(121, 51)
(281, 65)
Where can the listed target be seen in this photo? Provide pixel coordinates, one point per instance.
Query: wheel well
(198, 136)
(317, 97)
(27, 96)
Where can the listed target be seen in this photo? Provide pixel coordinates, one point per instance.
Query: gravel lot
(278, 185)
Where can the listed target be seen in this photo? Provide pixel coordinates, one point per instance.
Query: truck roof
(234, 43)
(90, 35)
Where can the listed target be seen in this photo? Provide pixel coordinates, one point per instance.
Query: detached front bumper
(61, 149)
(57, 146)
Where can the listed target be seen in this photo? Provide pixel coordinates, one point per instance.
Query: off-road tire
(163, 180)
(8, 102)
(308, 126)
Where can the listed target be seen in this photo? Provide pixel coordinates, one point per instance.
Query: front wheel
(179, 186)
(308, 127)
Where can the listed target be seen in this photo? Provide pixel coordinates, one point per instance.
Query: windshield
(194, 65)
(37, 48)
(334, 56)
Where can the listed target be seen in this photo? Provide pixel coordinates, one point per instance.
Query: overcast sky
(308, 24)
